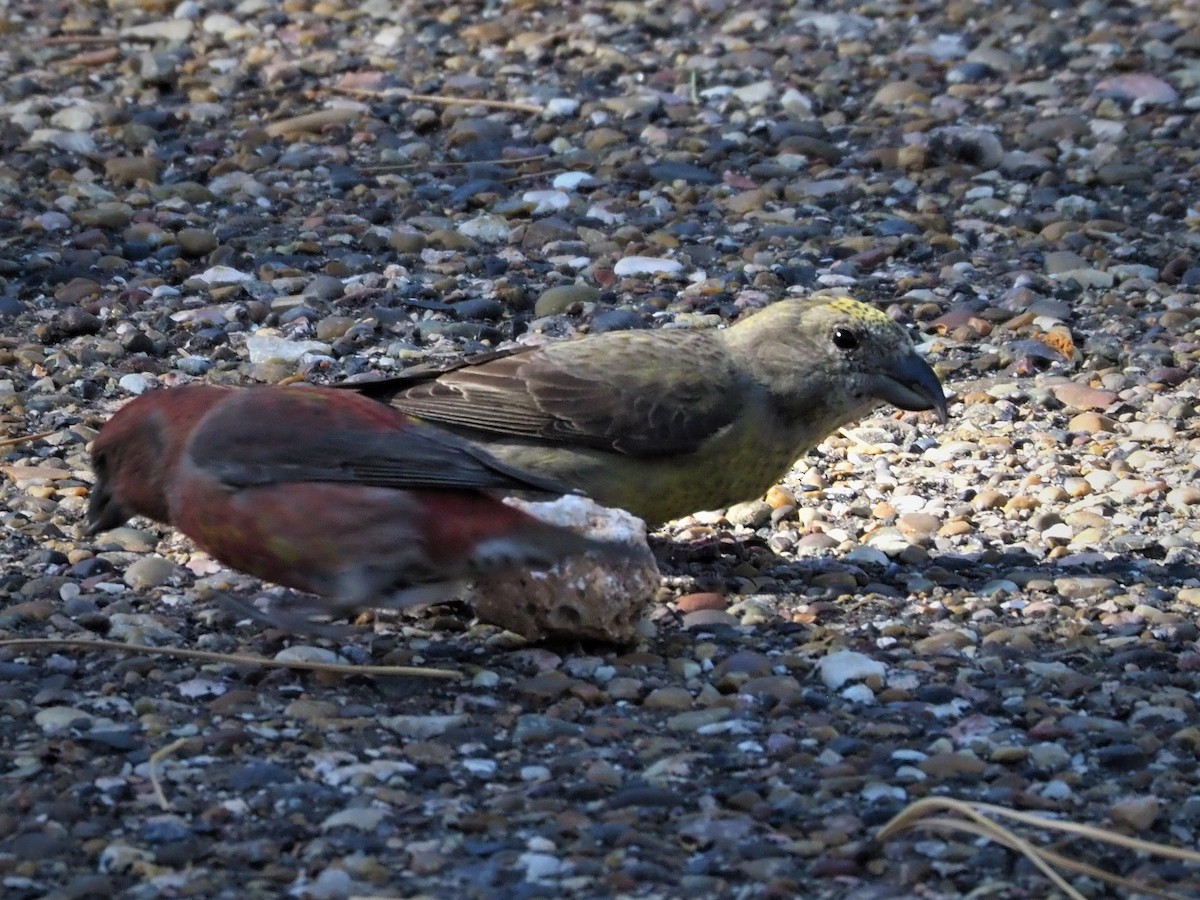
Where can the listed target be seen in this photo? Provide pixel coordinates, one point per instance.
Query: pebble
(357, 818)
(1091, 423)
(1137, 813)
(562, 297)
(55, 720)
(264, 348)
(697, 719)
(646, 265)
(148, 572)
(694, 602)
(486, 229)
(842, 666)
(306, 654)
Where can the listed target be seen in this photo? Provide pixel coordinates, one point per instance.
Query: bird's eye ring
(845, 338)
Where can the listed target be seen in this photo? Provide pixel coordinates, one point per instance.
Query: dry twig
(437, 100)
(922, 814)
(234, 659)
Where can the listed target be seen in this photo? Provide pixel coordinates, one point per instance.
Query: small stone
(698, 718)
(1081, 396)
(1048, 757)
(943, 766)
(676, 698)
(266, 348)
(1091, 423)
(646, 265)
(842, 666)
(58, 719)
(562, 297)
(223, 275)
(919, 525)
(195, 242)
(128, 170)
(1139, 87)
(692, 602)
(421, 728)
(546, 202)
(358, 818)
(148, 572)
(1138, 813)
(1083, 587)
(305, 654)
(749, 514)
(486, 229)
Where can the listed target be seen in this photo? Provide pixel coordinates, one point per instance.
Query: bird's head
(137, 453)
(841, 356)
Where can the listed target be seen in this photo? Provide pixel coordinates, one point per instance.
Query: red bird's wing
(272, 435)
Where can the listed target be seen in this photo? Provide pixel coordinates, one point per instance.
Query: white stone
(588, 597)
(224, 275)
(560, 108)
(546, 202)
(646, 265)
(57, 719)
(843, 666)
(486, 229)
(267, 347)
(135, 383)
(569, 181)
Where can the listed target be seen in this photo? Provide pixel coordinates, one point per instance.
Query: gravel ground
(1001, 610)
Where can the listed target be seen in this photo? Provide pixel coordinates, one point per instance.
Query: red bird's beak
(104, 512)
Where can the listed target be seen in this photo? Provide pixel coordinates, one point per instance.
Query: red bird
(320, 490)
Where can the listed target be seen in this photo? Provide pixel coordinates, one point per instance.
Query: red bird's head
(137, 451)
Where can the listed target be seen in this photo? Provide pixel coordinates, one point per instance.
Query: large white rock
(589, 597)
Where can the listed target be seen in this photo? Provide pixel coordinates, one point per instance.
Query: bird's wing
(273, 436)
(641, 393)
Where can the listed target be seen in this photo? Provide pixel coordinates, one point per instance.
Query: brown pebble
(1081, 396)
(1139, 813)
(705, 600)
(1091, 423)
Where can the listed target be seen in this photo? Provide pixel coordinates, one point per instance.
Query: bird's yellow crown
(860, 312)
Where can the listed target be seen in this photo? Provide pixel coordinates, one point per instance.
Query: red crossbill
(666, 422)
(320, 490)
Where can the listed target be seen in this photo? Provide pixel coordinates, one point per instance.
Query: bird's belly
(659, 489)
(300, 536)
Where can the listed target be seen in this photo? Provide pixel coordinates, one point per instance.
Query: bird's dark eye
(845, 338)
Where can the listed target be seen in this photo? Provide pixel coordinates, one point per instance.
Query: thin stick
(400, 94)
(916, 815)
(532, 175)
(66, 40)
(912, 817)
(235, 659)
(1090, 831)
(385, 168)
(946, 823)
(25, 438)
(155, 758)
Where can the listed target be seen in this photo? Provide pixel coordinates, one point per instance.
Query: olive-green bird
(666, 422)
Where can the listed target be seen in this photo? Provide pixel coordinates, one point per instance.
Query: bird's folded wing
(648, 394)
(246, 450)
